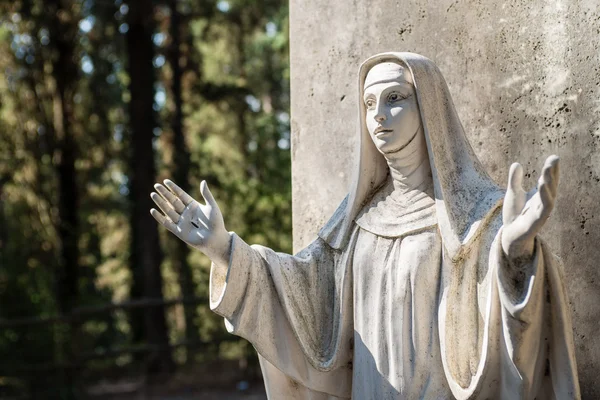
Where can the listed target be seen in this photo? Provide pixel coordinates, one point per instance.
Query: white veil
(464, 192)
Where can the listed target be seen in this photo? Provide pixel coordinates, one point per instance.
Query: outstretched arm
(531, 299)
(522, 220)
(199, 225)
(282, 304)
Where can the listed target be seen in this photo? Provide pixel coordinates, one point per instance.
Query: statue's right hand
(199, 225)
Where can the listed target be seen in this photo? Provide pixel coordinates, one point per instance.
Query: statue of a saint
(428, 282)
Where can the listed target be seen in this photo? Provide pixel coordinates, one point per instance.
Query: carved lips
(380, 131)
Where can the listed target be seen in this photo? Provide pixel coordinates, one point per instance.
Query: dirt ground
(252, 394)
(223, 380)
(135, 392)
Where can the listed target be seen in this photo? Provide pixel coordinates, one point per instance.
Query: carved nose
(380, 117)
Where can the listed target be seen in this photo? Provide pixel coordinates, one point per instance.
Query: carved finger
(165, 207)
(208, 197)
(179, 192)
(551, 173)
(164, 221)
(546, 197)
(556, 177)
(175, 202)
(515, 177)
(545, 184)
(515, 197)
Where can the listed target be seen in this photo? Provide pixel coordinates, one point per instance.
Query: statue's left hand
(523, 219)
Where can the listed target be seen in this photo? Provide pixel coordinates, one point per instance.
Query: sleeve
(289, 308)
(524, 332)
(505, 328)
(537, 353)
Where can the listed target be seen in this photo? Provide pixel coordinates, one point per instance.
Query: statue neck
(409, 166)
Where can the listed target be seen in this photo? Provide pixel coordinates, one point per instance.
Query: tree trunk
(64, 72)
(181, 170)
(146, 255)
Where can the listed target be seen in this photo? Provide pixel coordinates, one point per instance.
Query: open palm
(199, 225)
(524, 218)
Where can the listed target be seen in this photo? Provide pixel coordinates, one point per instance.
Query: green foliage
(235, 90)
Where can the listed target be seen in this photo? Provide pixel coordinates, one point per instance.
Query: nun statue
(428, 282)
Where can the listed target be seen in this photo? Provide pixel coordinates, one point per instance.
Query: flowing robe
(398, 318)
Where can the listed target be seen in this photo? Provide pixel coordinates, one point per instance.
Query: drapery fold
(297, 311)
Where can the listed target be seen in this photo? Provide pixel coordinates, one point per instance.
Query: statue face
(393, 116)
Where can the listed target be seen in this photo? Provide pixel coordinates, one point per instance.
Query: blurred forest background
(100, 99)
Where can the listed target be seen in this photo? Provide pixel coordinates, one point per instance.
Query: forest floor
(256, 391)
(216, 381)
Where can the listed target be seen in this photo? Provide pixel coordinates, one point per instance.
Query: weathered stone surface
(525, 79)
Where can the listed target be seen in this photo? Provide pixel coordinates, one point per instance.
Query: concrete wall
(525, 77)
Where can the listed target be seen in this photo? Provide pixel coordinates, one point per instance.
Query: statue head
(392, 114)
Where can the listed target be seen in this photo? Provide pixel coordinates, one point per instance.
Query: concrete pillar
(525, 77)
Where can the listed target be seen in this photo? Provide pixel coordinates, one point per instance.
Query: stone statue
(428, 282)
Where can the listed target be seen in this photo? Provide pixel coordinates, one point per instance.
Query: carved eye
(394, 97)
(370, 103)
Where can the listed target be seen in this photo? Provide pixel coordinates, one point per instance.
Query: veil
(465, 195)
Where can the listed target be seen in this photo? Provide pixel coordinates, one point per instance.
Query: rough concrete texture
(525, 78)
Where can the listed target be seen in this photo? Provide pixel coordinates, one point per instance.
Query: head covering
(387, 72)
(464, 193)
